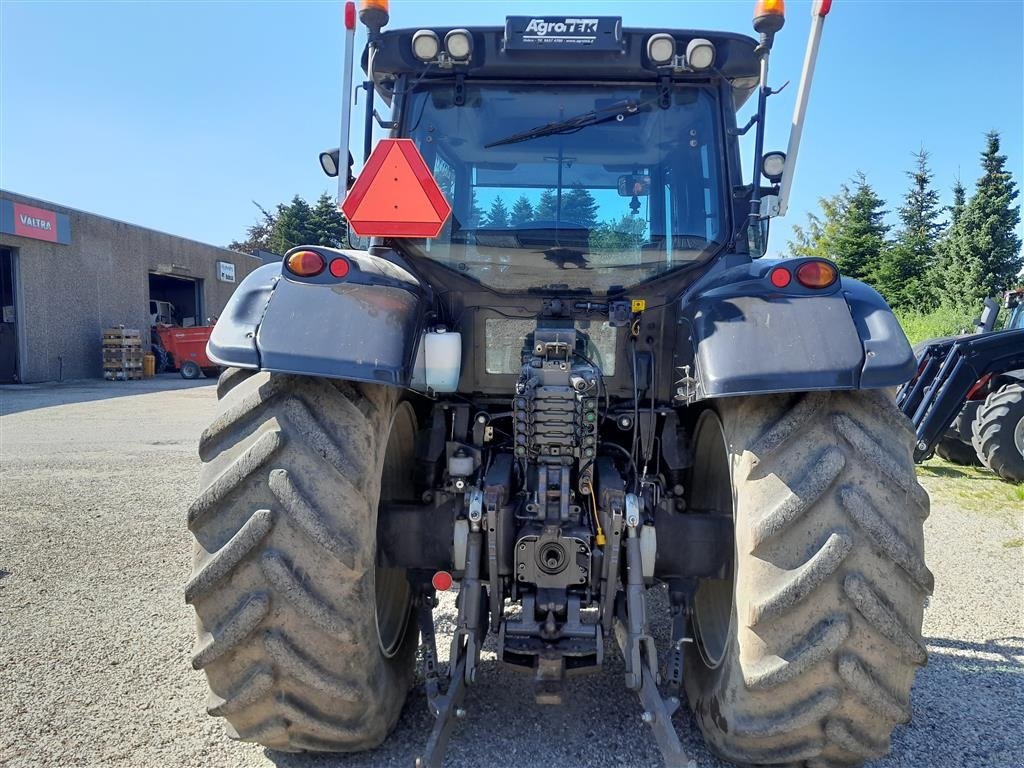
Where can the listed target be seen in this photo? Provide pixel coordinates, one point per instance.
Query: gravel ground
(95, 638)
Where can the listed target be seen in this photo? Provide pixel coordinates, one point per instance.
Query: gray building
(65, 275)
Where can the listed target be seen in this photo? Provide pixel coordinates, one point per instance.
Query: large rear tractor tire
(806, 655)
(305, 643)
(999, 432)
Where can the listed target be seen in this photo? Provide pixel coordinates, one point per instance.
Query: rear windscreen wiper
(618, 111)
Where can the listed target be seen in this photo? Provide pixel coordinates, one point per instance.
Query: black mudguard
(364, 327)
(744, 336)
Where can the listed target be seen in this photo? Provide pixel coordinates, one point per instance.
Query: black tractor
(603, 391)
(967, 399)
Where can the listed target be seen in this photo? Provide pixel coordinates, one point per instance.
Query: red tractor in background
(177, 347)
(967, 400)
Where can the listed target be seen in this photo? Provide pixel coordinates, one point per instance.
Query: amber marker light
(305, 263)
(816, 274)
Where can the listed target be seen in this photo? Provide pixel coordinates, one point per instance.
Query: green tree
(579, 207)
(904, 268)
(328, 224)
(624, 234)
(944, 264)
(294, 226)
(296, 223)
(860, 237)
(547, 207)
(850, 230)
(257, 237)
(983, 256)
(816, 239)
(522, 211)
(497, 216)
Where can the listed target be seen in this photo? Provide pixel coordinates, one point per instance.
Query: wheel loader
(555, 411)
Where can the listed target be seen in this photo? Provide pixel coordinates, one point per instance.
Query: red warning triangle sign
(396, 195)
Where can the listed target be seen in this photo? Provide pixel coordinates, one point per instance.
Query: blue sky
(177, 115)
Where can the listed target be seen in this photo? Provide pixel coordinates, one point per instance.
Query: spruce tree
(902, 274)
(983, 256)
(860, 233)
(328, 224)
(944, 275)
(522, 211)
(497, 216)
(293, 227)
(547, 208)
(579, 207)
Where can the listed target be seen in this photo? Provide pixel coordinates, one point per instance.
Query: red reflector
(816, 274)
(350, 15)
(442, 581)
(780, 277)
(305, 263)
(396, 195)
(339, 268)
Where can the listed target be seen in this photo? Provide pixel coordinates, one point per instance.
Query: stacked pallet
(122, 354)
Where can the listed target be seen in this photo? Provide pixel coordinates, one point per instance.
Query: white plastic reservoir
(439, 361)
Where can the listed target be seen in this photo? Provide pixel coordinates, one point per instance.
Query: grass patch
(972, 489)
(931, 325)
(1013, 543)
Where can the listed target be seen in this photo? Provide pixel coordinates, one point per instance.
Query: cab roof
(493, 58)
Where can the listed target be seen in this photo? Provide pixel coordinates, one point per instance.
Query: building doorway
(8, 318)
(175, 300)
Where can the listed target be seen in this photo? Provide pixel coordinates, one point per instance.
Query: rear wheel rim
(714, 605)
(392, 594)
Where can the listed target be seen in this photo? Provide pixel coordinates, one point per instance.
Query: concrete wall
(69, 293)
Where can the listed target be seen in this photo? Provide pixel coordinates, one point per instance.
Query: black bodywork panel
(730, 330)
(365, 327)
(740, 335)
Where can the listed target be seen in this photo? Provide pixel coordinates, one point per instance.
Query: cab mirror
(330, 163)
(634, 185)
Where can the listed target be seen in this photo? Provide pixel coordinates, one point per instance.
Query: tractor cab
(577, 156)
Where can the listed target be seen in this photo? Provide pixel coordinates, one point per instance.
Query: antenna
(819, 11)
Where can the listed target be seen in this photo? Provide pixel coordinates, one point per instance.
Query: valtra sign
(25, 220)
(35, 223)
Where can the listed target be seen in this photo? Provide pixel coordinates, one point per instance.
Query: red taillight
(816, 274)
(305, 263)
(442, 581)
(339, 268)
(780, 277)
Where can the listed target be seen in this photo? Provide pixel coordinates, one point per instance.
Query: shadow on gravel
(1009, 653)
(18, 398)
(968, 706)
